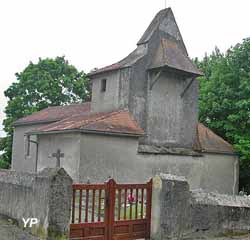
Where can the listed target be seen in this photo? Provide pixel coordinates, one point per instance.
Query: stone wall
(45, 196)
(179, 213)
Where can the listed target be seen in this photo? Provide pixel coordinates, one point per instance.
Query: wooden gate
(111, 211)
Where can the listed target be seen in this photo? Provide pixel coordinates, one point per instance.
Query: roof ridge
(72, 104)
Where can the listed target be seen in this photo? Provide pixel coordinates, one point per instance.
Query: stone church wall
(104, 156)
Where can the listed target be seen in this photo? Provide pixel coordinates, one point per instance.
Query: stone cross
(58, 155)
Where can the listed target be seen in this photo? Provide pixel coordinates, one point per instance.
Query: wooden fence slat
(93, 206)
(136, 204)
(125, 204)
(80, 207)
(131, 204)
(119, 204)
(87, 206)
(142, 201)
(73, 206)
(99, 205)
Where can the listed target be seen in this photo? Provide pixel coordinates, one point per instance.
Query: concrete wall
(116, 94)
(179, 213)
(21, 162)
(69, 144)
(45, 196)
(104, 156)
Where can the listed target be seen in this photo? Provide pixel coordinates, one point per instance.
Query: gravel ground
(9, 231)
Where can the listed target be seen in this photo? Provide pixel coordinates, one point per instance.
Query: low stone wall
(45, 196)
(179, 213)
(219, 214)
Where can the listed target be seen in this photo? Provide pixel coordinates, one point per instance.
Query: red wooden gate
(111, 211)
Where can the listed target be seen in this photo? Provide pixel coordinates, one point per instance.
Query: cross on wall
(58, 155)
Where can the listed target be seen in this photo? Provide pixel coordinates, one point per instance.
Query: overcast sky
(95, 33)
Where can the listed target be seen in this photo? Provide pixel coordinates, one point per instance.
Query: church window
(103, 85)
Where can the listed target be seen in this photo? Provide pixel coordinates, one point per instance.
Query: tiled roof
(169, 54)
(153, 25)
(128, 61)
(119, 122)
(78, 117)
(208, 141)
(52, 114)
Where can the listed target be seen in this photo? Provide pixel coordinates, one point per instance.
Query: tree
(50, 82)
(225, 98)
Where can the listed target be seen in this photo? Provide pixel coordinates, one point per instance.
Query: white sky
(95, 33)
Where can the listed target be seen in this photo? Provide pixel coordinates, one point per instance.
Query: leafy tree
(225, 98)
(50, 82)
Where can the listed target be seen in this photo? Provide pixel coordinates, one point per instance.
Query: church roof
(208, 141)
(128, 61)
(154, 25)
(171, 51)
(78, 117)
(170, 55)
(52, 114)
(117, 122)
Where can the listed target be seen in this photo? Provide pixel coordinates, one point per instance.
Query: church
(142, 120)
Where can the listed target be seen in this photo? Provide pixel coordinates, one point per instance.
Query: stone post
(59, 204)
(170, 207)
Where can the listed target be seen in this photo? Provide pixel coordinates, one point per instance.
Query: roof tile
(120, 122)
(56, 113)
(208, 141)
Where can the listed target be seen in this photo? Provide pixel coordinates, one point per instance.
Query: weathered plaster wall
(69, 144)
(116, 94)
(164, 111)
(179, 213)
(172, 118)
(138, 91)
(20, 162)
(223, 171)
(104, 156)
(45, 196)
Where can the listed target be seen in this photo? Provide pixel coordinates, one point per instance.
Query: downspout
(235, 177)
(36, 159)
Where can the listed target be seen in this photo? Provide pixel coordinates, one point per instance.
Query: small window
(103, 85)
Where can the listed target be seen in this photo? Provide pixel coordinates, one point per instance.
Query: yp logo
(29, 222)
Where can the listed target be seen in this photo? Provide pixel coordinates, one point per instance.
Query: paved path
(9, 231)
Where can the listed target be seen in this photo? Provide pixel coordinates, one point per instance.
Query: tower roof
(168, 49)
(171, 51)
